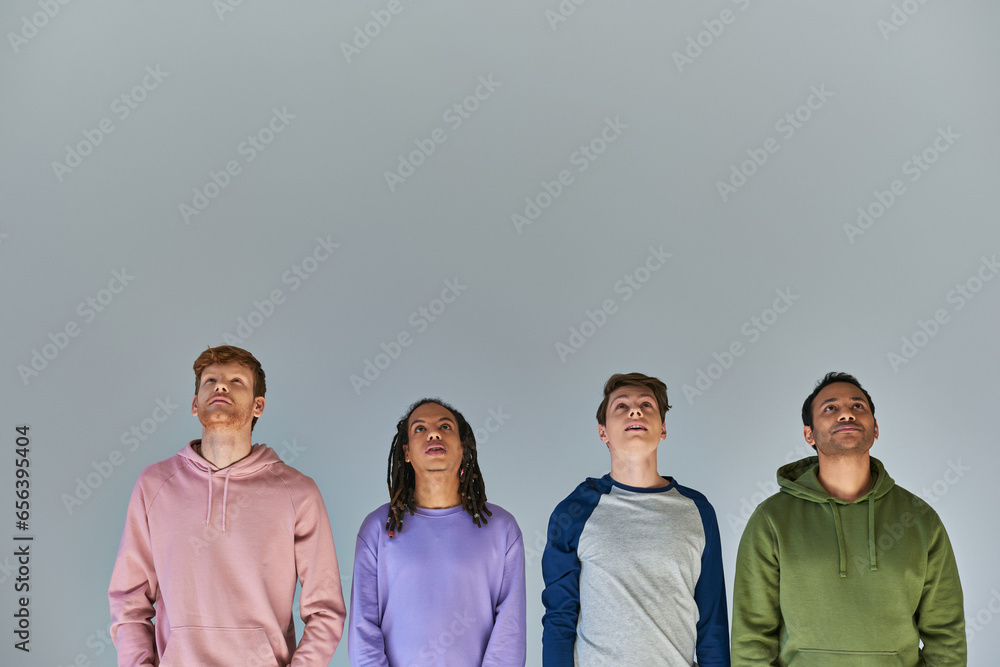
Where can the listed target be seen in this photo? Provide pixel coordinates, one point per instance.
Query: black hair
(402, 482)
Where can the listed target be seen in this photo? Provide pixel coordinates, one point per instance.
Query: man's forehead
(442, 418)
(841, 390)
(628, 390)
(431, 412)
(231, 368)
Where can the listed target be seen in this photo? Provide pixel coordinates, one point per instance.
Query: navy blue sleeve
(561, 572)
(710, 591)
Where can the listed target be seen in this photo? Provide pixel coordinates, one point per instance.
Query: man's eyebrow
(442, 419)
(643, 395)
(853, 398)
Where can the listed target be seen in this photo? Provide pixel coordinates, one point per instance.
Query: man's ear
(876, 430)
(258, 406)
(406, 453)
(194, 406)
(602, 433)
(807, 433)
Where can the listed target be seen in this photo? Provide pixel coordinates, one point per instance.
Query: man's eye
(446, 426)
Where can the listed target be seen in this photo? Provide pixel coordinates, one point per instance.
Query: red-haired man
(215, 539)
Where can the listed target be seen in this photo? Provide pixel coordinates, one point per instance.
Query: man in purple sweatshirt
(438, 571)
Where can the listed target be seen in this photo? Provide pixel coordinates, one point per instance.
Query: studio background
(499, 204)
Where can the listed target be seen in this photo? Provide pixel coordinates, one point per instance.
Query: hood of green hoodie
(800, 479)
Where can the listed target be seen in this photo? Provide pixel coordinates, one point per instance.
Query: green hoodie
(821, 582)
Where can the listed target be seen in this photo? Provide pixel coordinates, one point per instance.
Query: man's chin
(219, 425)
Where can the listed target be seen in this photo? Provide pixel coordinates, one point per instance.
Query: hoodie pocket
(815, 657)
(188, 646)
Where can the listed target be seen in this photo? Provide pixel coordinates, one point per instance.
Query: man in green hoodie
(843, 567)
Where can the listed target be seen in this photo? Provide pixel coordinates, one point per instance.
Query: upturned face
(434, 443)
(225, 397)
(843, 422)
(632, 421)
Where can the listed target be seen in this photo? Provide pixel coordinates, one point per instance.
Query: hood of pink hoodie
(259, 458)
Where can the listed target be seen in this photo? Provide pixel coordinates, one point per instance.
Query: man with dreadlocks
(633, 562)
(438, 571)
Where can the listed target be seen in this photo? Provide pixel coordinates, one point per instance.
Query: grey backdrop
(734, 196)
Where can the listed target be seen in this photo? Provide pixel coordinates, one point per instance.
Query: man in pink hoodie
(215, 539)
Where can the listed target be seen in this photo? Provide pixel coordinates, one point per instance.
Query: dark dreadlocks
(401, 481)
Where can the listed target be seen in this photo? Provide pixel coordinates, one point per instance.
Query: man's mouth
(435, 449)
(635, 427)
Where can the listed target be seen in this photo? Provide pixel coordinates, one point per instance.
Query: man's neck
(222, 449)
(636, 471)
(845, 478)
(436, 491)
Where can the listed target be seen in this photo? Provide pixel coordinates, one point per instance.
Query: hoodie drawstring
(840, 538)
(225, 496)
(225, 499)
(872, 562)
(208, 517)
(872, 565)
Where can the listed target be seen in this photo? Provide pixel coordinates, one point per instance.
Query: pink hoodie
(218, 552)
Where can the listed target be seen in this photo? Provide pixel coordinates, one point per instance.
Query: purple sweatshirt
(442, 592)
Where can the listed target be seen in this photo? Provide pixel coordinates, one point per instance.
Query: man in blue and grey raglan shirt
(633, 562)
